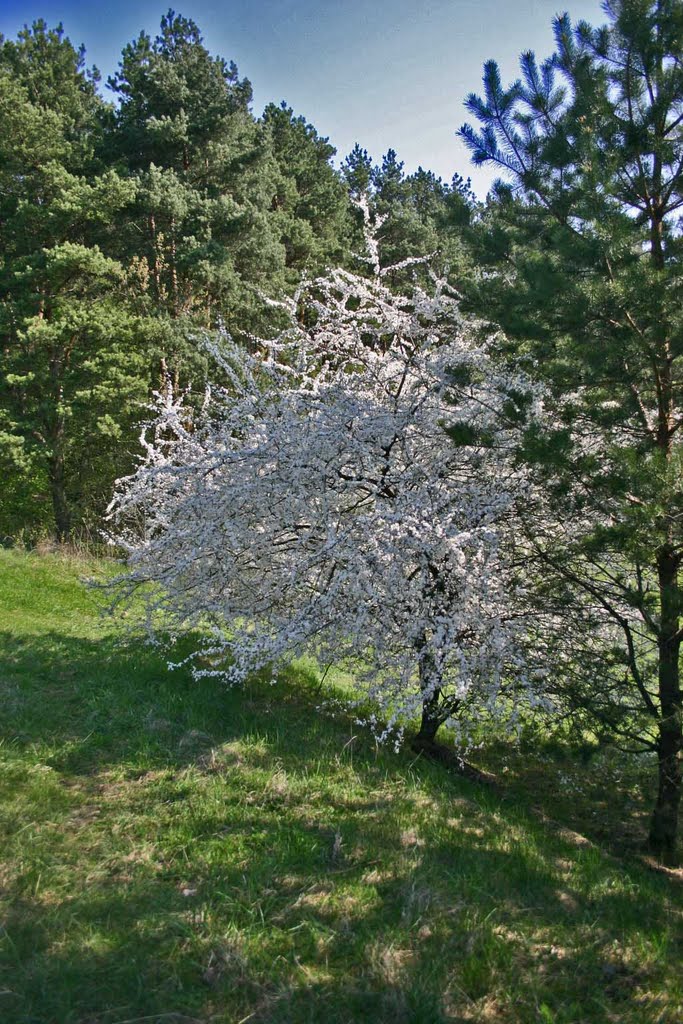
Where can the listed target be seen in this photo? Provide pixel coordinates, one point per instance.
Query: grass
(181, 852)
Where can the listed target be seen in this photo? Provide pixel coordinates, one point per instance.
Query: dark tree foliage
(71, 348)
(176, 100)
(357, 170)
(311, 201)
(201, 230)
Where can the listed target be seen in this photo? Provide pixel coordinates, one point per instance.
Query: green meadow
(173, 851)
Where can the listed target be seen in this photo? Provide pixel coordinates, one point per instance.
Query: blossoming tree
(348, 494)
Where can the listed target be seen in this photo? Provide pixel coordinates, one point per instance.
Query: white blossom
(318, 504)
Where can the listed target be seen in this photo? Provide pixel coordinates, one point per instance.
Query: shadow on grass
(256, 863)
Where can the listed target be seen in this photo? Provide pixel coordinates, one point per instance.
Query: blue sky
(393, 73)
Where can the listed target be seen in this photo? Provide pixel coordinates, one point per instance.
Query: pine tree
(311, 201)
(71, 373)
(176, 100)
(583, 247)
(357, 170)
(206, 178)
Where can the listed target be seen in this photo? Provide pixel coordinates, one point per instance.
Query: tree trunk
(430, 720)
(431, 695)
(175, 293)
(433, 716)
(60, 504)
(663, 836)
(156, 273)
(664, 825)
(56, 433)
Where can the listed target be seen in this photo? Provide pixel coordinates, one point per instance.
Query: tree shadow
(605, 795)
(271, 895)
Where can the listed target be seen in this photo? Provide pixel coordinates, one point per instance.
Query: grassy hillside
(176, 852)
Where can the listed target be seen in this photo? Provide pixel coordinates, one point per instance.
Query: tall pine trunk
(664, 824)
(56, 433)
(154, 257)
(663, 836)
(60, 505)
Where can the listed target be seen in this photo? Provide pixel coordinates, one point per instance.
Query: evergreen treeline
(128, 226)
